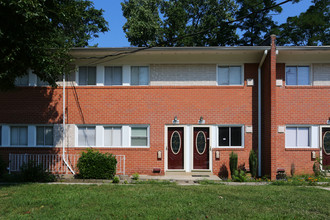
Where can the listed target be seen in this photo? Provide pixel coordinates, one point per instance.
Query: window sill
(228, 148)
(301, 149)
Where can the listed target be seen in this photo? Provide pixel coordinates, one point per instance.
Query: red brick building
(178, 109)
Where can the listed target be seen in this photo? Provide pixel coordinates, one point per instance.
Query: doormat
(200, 176)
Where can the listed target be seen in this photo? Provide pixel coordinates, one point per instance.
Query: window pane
(91, 75)
(23, 136)
(303, 75)
(82, 136)
(135, 75)
(236, 136)
(40, 136)
(48, 136)
(139, 141)
(223, 78)
(14, 132)
(303, 137)
(116, 135)
(143, 76)
(108, 76)
(117, 76)
(223, 136)
(291, 75)
(290, 137)
(234, 75)
(139, 132)
(90, 134)
(23, 81)
(83, 75)
(108, 136)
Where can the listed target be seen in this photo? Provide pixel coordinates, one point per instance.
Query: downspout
(64, 130)
(259, 110)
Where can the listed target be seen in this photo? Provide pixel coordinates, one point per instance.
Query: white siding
(321, 74)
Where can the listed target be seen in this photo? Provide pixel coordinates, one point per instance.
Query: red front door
(326, 148)
(175, 148)
(201, 148)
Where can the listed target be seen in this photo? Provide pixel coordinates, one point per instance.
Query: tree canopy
(38, 34)
(221, 23)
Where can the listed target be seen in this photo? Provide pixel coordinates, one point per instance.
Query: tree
(257, 26)
(181, 20)
(309, 28)
(38, 34)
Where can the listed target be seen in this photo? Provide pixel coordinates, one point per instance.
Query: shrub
(233, 163)
(95, 165)
(2, 167)
(135, 176)
(33, 172)
(253, 163)
(115, 179)
(239, 176)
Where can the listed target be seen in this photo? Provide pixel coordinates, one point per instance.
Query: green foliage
(253, 163)
(2, 167)
(239, 176)
(40, 34)
(95, 165)
(233, 158)
(310, 28)
(209, 182)
(135, 176)
(116, 179)
(155, 182)
(33, 172)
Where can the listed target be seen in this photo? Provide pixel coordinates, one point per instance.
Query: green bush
(233, 158)
(239, 176)
(135, 176)
(253, 163)
(115, 179)
(95, 165)
(33, 172)
(2, 167)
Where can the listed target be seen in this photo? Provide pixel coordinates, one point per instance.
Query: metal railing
(54, 162)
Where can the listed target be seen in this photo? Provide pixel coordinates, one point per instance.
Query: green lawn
(41, 201)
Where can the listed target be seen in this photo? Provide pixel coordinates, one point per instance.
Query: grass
(152, 201)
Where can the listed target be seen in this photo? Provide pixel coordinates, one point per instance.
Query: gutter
(64, 130)
(259, 110)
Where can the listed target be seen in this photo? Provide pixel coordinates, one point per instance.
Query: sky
(116, 36)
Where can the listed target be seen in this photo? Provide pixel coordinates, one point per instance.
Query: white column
(5, 141)
(126, 75)
(99, 136)
(126, 136)
(188, 149)
(315, 140)
(32, 136)
(100, 75)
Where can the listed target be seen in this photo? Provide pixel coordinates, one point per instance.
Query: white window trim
(229, 65)
(230, 125)
(310, 66)
(130, 73)
(122, 74)
(310, 141)
(148, 135)
(44, 125)
(77, 75)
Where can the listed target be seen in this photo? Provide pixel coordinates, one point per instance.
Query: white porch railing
(54, 162)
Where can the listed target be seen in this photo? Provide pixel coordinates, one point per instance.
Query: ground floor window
(18, 135)
(44, 135)
(112, 136)
(297, 136)
(86, 136)
(230, 136)
(139, 136)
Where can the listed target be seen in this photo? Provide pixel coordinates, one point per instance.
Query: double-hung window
(230, 75)
(112, 136)
(139, 136)
(139, 75)
(297, 137)
(18, 135)
(297, 75)
(44, 135)
(113, 75)
(230, 136)
(22, 81)
(87, 75)
(86, 136)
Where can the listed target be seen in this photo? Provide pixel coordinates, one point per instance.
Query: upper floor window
(140, 75)
(230, 75)
(87, 75)
(113, 75)
(86, 136)
(112, 136)
(139, 136)
(230, 136)
(45, 135)
(22, 81)
(297, 137)
(297, 75)
(19, 135)
(41, 82)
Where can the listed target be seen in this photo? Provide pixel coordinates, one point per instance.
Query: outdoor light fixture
(217, 155)
(159, 155)
(175, 120)
(201, 120)
(328, 122)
